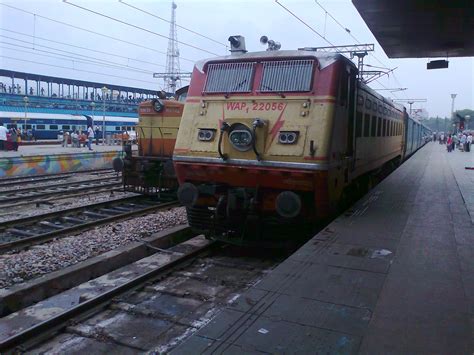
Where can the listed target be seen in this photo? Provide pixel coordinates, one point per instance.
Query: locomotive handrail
(224, 128)
(257, 123)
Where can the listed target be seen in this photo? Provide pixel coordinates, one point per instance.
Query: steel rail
(47, 187)
(60, 321)
(25, 241)
(12, 179)
(5, 202)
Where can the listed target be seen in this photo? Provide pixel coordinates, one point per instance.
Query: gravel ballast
(17, 267)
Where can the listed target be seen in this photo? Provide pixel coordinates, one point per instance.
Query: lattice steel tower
(172, 56)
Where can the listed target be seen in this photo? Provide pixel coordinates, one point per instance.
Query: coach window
(368, 104)
(380, 109)
(117, 128)
(358, 131)
(366, 125)
(373, 126)
(40, 126)
(379, 126)
(360, 100)
(384, 127)
(53, 127)
(66, 127)
(374, 107)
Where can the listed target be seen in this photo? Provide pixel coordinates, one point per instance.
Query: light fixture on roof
(437, 64)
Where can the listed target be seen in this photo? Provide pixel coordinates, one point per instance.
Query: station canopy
(421, 28)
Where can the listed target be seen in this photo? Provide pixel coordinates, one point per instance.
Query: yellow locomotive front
(151, 171)
(266, 143)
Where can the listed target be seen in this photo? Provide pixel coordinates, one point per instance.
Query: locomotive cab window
(287, 76)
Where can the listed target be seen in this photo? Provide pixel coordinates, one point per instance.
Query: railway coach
(278, 139)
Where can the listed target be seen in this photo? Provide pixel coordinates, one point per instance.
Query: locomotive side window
(368, 104)
(229, 77)
(373, 126)
(287, 76)
(358, 131)
(367, 125)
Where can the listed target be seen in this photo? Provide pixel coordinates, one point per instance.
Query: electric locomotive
(274, 140)
(151, 171)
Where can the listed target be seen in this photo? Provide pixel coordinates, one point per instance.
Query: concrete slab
(391, 275)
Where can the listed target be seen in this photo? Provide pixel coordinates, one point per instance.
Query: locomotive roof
(324, 58)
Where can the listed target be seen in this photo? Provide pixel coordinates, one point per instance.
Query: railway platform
(392, 275)
(52, 159)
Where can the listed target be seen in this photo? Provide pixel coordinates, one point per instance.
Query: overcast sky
(23, 36)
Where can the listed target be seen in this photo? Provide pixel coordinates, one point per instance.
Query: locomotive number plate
(255, 106)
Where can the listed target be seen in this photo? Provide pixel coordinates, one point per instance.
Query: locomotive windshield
(277, 76)
(229, 77)
(287, 75)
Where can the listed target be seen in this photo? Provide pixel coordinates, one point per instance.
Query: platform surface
(393, 275)
(48, 149)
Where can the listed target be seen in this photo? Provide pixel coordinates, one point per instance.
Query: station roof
(421, 28)
(58, 80)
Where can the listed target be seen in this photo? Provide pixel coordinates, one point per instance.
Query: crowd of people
(9, 138)
(462, 141)
(78, 138)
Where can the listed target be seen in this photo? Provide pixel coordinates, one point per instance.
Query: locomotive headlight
(288, 137)
(206, 135)
(158, 105)
(240, 137)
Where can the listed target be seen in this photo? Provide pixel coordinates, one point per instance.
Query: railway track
(41, 193)
(16, 180)
(24, 232)
(149, 305)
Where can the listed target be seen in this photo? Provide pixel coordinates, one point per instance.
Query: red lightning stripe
(221, 119)
(278, 124)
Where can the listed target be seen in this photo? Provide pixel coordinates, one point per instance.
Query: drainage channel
(24, 232)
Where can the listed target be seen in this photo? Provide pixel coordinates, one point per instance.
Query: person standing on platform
(468, 142)
(3, 137)
(90, 137)
(65, 139)
(449, 144)
(14, 139)
(97, 136)
(462, 144)
(75, 139)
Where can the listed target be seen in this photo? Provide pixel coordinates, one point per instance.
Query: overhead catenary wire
(94, 60)
(72, 59)
(75, 69)
(182, 27)
(303, 22)
(90, 31)
(137, 27)
(353, 37)
(78, 47)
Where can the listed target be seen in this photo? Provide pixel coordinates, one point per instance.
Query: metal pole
(104, 90)
(25, 99)
(453, 96)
